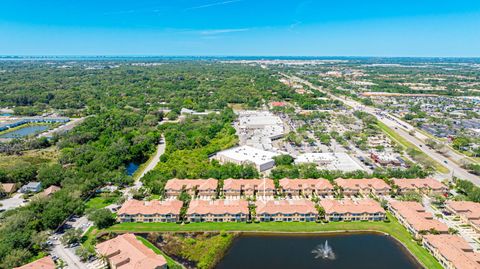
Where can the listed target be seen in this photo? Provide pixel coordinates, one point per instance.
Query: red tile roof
(50, 190)
(414, 213)
(469, 210)
(126, 252)
(200, 184)
(456, 250)
(43, 263)
(349, 206)
(221, 207)
(431, 183)
(301, 184)
(356, 184)
(134, 207)
(248, 184)
(9, 187)
(303, 206)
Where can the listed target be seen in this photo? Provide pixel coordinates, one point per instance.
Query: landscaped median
(392, 228)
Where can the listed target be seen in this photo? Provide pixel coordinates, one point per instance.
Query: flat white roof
(330, 161)
(250, 154)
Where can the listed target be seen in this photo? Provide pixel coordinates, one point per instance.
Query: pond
(357, 251)
(25, 131)
(132, 168)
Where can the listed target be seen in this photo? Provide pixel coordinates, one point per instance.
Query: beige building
(286, 210)
(413, 216)
(350, 210)
(422, 185)
(306, 187)
(150, 211)
(248, 187)
(127, 252)
(452, 251)
(218, 211)
(194, 187)
(364, 187)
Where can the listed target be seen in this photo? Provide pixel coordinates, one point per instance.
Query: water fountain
(324, 251)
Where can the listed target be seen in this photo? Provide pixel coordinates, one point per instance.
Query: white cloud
(213, 4)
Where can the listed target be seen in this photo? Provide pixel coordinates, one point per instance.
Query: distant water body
(25, 131)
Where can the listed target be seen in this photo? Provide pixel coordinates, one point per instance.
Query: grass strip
(393, 228)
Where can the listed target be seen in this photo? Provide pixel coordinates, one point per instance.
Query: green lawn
(98, 202)
(170, 262)
(393, 228)
(407, 145)
(88, 239)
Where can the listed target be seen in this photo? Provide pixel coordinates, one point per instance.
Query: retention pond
(339, 251)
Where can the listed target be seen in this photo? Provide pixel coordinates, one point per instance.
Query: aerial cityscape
(184, 135)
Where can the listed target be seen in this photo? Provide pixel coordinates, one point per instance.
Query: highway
(402, 128)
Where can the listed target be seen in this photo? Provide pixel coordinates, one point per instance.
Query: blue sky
(241, 27)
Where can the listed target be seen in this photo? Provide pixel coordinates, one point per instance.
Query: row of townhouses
(452, 251)
(241, 210)
(207, 188)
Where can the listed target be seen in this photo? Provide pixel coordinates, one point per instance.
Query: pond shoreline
(238, 234)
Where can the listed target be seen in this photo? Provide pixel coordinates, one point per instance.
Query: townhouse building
(150, 211)
(286, 210)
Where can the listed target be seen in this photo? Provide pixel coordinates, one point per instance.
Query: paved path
(156, 158)
(13, 202)
(150, 166)
(402, 128)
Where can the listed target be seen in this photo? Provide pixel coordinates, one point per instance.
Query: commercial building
(385, 159)
(286, 210)
(469, 212)
(31, 187)
(195, 187)
(452, 251)
(330, 161)
(261, 159)
(364, 186)
(350, 210)
(150, 211)
(306, 187)
(258, 128)
(422, 185)
(127, 252)
(248, 187)
(414, 217)
(43, 263)
(218, 211)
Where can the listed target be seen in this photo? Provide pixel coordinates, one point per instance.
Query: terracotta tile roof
(303, 206)
(431, 183)
(456, 250)
(134, 207)
(248, 184)
(218, 207)
(357, 184)
(50, 190)
(470, 210)
(43, 263)
(349, 206)
(200, 184)
(9, 187)
(302, 184)
(414, 213)
(126, 252)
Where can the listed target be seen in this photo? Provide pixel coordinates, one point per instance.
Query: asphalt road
(402, 128)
